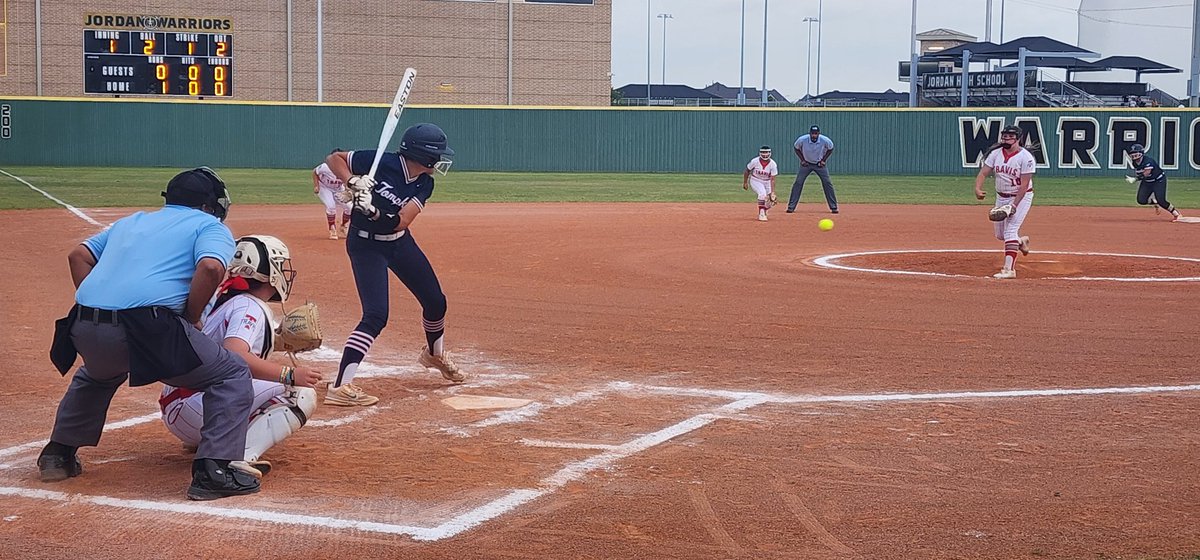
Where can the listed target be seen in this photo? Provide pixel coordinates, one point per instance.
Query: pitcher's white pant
(1010, 228)
(185, 417)
(332, 204)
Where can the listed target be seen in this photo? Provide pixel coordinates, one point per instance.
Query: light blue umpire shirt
(813, 151)
(149, 258)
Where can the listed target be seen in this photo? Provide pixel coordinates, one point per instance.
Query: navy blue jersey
(1156, 172)
(395, 188)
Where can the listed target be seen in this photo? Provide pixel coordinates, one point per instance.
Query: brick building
(560, 49)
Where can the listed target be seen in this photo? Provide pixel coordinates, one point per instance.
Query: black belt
(380, 236)
(97, 315)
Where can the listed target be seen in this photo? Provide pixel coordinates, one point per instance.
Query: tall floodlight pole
(912, 61)
(1194, 82)
(764, 84)
(987, 31)
(808, 69)
(649, 20)
(1001, 22)
(664, 17)
(820, 35)
(741, 100)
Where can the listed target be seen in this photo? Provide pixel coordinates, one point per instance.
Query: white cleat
(1005, 273)
(1024, 244)
(762, 216)
(333, 233)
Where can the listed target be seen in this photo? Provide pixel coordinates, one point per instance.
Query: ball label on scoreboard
(172, 58)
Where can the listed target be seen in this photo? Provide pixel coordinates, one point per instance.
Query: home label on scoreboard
(183, 61)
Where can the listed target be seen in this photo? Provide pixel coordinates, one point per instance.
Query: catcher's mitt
(299, 330)
(770, 200)
(1001, 213)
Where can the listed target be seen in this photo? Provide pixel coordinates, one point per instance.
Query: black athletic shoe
(791, 210)
(54, 468)
(213, 479)
(834, 211)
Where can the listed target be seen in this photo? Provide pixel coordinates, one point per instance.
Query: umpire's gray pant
(826, 185)
(223, 376)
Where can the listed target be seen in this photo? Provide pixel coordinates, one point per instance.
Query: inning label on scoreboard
(156, 62)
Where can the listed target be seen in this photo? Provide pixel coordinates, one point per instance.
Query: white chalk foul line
(830, 261)
(69, 208)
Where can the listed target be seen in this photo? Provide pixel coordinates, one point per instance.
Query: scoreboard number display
(179, 63)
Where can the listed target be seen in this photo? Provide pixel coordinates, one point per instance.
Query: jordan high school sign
(1082, 142)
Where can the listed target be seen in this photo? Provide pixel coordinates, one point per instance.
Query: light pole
(664, 17)
(764, 84)
(820, 35)
(648, 22)
(912, 61)
(741, 100)
(1001, 21)
(808, 71)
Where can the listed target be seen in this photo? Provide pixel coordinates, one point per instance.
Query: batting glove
(361, 183)
(362, 203)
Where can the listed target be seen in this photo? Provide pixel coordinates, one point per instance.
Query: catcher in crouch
(1014, 167)
(241, 321)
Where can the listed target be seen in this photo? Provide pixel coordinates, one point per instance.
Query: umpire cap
(814, 128)
(198, 187)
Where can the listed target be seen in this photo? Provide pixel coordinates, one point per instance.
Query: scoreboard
(157, 63)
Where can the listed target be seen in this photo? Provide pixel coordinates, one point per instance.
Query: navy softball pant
(371, 260)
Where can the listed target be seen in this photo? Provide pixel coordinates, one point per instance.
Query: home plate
(471, 402)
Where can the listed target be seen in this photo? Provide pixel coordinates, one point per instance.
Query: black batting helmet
(425, 144)
(198, 187)
(1136, 149)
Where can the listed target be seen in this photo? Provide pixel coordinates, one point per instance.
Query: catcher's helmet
(198, 187)
(1011, 129)
(1136, 149)
(266, 259)
(425, 144)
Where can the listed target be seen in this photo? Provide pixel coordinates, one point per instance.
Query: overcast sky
(863, 39)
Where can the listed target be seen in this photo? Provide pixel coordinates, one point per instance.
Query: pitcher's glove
(1001, 213)
(770, 200)
(299, 330)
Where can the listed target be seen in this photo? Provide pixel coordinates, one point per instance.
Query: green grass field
(90, 187)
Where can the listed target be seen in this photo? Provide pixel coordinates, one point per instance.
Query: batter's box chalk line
(607, 456)
(831, 262)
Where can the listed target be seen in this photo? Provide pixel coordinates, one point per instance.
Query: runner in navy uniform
(1153, 186)
(380, 239)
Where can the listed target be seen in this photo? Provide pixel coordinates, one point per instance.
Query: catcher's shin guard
(278, 419)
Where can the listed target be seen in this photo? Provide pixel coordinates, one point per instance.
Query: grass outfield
(90, 187)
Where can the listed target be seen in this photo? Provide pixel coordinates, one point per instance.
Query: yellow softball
(825, 225)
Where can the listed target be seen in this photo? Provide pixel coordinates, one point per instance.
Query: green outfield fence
(134, 132)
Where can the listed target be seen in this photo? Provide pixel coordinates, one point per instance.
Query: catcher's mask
(425, 144)
(266, 259)
(197, 188)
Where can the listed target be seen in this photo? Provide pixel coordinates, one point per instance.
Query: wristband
(287, 376)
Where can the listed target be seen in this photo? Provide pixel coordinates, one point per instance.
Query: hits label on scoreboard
(157, 63)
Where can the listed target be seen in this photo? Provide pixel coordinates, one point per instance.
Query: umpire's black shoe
(212, 479)
(54, 467)
(791, 210)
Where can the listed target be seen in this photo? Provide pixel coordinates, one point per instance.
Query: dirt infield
(699, 387)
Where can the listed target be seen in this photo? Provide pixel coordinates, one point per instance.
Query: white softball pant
(184, 417)
(1010, 228)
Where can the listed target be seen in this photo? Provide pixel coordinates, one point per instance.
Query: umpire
(141, 286)
(814, 150)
